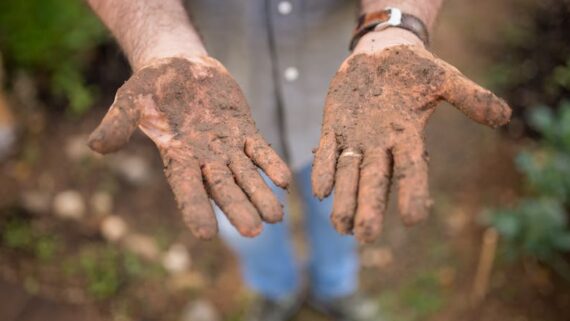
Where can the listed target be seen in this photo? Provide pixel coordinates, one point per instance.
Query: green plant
(535, 228)
(532, 59)
(52, 37)
(45, 247)
(418, 298)
(100, 266)
(538, 225)
(423, 295)
(106, 269)
(18, 234)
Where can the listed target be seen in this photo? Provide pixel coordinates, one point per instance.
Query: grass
(537, 225)
(418, 298)
(104, 268)
(19, 235)
(421, 293)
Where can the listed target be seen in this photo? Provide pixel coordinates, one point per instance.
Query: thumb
(117, 126)
(476, 102)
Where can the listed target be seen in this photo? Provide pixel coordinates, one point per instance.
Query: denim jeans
(268, 263)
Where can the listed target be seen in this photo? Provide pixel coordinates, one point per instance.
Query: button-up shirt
(283, 54)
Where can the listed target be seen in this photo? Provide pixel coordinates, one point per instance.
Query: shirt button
(291, 74)
(284, 7)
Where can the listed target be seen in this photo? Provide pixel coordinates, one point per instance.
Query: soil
(424, 273)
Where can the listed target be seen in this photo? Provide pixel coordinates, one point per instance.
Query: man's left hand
(376, 110)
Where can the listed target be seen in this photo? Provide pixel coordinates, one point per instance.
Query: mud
(199, 119)
(374, 119)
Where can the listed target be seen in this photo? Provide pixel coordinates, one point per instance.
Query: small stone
(376, 257)
(456, 221)
(69, 205)
(37, 202)
(76, 148)
(200, 310)
(113, 228)
(102, 203)
(134, 169)
(190, 280)
(141, 245)
(176, 259)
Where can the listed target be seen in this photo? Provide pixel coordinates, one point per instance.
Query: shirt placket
(286, 20)
(286, 32)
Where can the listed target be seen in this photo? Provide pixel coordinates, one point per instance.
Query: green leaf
(542, 118)
(562, 241)
(52, 37)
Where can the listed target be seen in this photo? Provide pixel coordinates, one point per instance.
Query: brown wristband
(390, 17)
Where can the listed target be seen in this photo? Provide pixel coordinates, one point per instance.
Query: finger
(375, 175)
(185, 179)
(267, 159)
(346, 188)
(411, 167)
(477, 103)
(231, 199)
(117, 126)
(323, 173)
(247, 176)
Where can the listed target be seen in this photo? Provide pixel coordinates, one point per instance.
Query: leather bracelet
(389, 17)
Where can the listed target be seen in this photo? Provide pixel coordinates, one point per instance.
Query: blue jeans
(268, 263)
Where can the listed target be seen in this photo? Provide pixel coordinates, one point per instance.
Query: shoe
(264, 309)
(348, 308)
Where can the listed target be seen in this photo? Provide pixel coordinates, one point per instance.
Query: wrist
(379, 40)
(426, 11)
(169, 46)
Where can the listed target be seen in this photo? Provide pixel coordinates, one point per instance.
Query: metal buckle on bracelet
(389, 17)
(394, 20)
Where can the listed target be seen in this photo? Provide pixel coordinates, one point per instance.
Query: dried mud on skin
(374, 119)
(199, 119)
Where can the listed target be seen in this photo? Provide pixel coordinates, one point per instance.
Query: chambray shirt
(283, 54)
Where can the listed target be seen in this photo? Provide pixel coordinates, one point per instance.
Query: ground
(64, 267)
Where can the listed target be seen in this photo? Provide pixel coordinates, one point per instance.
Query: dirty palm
(374, 118)
(198, 117)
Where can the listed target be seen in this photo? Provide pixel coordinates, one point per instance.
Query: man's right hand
(196, 114)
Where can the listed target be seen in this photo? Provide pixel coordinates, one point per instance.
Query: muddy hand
(201, 123)
(374, 119)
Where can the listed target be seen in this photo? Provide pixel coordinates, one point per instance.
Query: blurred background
(84, 237)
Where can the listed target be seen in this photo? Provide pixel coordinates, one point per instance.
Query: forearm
(149, 30)
(425, 10)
